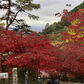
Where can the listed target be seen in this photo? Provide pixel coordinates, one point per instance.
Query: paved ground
(45, 82)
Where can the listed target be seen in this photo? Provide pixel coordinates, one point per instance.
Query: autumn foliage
(73, 60)
(73, 50)
(75, 31)
(31, 51)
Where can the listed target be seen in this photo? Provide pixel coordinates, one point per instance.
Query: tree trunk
(8, 15)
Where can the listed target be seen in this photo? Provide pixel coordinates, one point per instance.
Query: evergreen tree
(14, 7)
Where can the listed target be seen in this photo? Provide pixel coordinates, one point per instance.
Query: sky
(47, 12)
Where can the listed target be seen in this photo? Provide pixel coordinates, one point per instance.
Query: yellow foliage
(71, 32)
(79, 36)
(56, 43)
(2, 24)
(82, 27)
(75, 22)
(67, 40)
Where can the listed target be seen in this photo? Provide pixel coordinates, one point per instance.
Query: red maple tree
(73, 60)
(73, 50)
(75, 31)
(31, 51)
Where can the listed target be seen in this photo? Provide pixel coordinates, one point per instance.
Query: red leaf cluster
(73, 60)
(73, 51)
(33, 52)
(76, 26)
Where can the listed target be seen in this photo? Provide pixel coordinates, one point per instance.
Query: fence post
(26, 77)
(15, 76)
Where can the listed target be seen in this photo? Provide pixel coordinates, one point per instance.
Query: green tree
(81, 6)
(2, 25)
(47, 25)
(14, 7)
(49, 28)
(23, 27)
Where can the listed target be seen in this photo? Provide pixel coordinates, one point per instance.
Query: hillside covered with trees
(61, 25)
